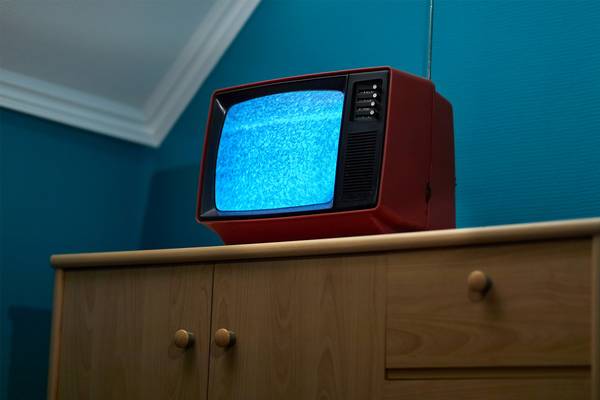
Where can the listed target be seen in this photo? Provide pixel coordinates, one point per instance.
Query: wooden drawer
(570, 388)
(535, 318)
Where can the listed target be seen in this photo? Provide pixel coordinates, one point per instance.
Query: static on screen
(279, 151)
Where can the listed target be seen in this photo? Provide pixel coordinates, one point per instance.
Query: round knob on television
(479, 284)
(183, 339)
(224, 338)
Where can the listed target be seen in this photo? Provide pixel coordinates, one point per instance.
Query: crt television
(346, 153)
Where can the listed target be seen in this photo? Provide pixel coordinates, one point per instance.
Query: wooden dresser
(497, 313)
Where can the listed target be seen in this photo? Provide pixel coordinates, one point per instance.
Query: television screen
(279, 152)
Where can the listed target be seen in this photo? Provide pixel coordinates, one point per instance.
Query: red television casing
(417, 180)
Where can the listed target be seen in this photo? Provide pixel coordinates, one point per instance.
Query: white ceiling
(122, 68)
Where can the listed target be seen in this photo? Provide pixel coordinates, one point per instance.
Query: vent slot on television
(366, 100)
(360, 166)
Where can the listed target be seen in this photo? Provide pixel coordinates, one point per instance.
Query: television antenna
(430, 40)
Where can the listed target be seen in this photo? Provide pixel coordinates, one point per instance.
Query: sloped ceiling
(121, 68)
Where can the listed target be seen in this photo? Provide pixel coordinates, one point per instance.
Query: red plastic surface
(418, 149)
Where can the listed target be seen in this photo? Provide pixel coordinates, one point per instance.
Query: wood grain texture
(55, 337)
(359, 244)
(117, 333)
(490, 389)
(309, 328)
(536, 314)
(596, 318)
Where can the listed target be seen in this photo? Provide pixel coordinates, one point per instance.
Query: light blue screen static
(279, 151)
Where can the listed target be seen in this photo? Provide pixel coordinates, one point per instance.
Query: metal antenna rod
(430, 40)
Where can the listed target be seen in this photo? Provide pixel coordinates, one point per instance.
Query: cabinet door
(304, 328)
(117, 336)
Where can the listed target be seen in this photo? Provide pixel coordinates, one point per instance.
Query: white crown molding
(72, 107)
(148, 125)
(196, 61)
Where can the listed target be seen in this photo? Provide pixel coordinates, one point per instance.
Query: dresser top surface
(347, 245)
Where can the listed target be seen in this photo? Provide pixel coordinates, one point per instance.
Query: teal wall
(62, 190)
(524, 79)
(523, 76)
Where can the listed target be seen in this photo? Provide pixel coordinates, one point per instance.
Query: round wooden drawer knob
(224, 338)
(183, 339)
(479, 284)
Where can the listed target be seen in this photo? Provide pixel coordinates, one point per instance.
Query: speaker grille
(360, 166)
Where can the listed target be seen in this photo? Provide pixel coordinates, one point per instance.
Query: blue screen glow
(279, 151)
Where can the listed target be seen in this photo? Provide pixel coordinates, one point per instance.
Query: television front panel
(336, 154)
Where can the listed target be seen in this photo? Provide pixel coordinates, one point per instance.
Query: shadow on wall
(29, 346)
(170, 212)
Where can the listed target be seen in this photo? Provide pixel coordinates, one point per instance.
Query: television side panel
(407, 152)
(442, 204)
